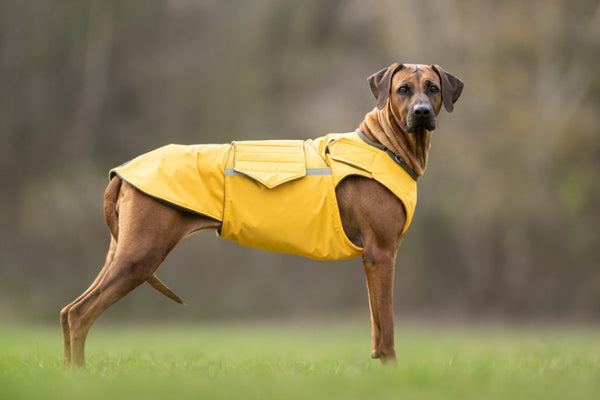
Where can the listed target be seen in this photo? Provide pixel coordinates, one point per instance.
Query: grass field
(264, 362)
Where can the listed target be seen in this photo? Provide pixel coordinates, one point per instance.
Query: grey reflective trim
(232, 172)
(309, 171)
(318, 171)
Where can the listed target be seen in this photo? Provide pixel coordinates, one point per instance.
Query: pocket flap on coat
(354, 154)
(270, 162)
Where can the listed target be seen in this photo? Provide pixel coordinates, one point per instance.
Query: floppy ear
(452, 87)
(380, 83)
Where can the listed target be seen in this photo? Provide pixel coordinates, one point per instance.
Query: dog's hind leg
(148, 231)
(110, 211)
(125, 273)
(64, 313)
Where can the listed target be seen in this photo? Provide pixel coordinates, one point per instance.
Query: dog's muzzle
(421, 117)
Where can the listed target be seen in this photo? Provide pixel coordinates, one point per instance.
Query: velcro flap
(270, 162)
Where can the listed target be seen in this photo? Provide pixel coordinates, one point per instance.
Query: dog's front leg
(379, 270)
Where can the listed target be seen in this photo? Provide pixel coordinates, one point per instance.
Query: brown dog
(145, 230)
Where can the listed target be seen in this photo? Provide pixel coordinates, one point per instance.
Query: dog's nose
(422, 111)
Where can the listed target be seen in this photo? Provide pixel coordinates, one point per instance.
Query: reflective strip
(309, 171)
(318, 171)
(232, 172)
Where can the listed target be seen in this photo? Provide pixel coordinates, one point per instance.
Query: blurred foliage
(507, 224)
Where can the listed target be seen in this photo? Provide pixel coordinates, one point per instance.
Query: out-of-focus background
(507, 226)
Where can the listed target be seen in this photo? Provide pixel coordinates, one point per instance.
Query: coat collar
(396, 157)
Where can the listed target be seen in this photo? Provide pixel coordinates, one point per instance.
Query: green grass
(263, 362)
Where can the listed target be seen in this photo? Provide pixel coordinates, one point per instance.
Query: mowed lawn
(292, 362)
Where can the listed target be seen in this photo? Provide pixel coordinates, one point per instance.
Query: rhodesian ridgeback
(144, 230)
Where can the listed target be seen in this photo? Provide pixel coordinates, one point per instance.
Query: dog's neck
(381, 127)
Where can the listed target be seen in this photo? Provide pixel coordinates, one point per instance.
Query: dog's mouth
(414, 125)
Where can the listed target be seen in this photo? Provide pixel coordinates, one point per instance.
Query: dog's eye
(403, 89)
(434, 89)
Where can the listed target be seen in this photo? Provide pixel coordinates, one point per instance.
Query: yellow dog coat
(277, 195)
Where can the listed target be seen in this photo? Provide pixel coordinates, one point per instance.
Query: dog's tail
(111, 213)
(164, 289)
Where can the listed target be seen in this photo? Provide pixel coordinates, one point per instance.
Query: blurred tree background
(507, 225)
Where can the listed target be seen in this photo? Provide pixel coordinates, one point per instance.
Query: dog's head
(414, 93)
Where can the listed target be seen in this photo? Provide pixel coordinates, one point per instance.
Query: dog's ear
(452, 87)
(380, 83)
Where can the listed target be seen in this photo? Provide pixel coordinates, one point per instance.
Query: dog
(371, 175)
